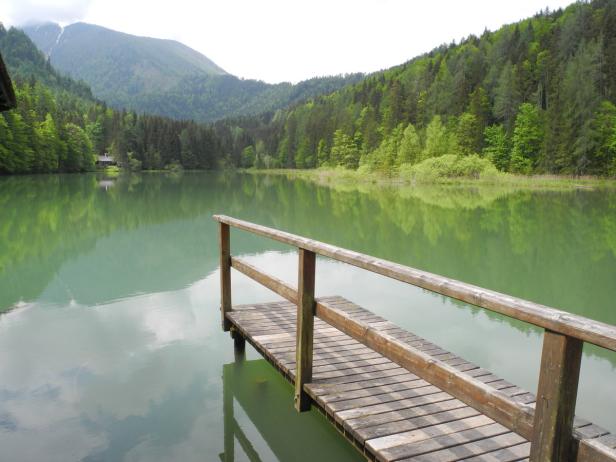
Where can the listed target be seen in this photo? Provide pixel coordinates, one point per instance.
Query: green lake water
(110, 340)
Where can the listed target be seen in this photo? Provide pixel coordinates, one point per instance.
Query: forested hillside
(58, 126)
(164, 77)
(537, 96)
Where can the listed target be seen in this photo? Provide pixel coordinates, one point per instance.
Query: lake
(110, 339)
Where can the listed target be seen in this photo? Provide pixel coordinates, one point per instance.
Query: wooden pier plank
(391, 413)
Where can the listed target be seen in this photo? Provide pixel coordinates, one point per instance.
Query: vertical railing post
(556, 396)
(305, 328)
(225, 274)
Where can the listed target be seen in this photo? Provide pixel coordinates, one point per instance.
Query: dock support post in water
(239, 345)
(225, 274)
(556, 396)
(305, 328)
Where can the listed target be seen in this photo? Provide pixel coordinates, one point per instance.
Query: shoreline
(341, 176)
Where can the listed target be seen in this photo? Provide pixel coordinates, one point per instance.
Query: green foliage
(79, 156)
(581, 99)
(438, 141)
(450, 166)
(322, 153)
(611, 170)
(603, 126)
(409, 151)
(469, 134)
(506, 98)
(248, 157)
(385, 157)
(59, 127)
(132, 163)
(527, 139)
(532, 97)
(497, 146)
(344, 151)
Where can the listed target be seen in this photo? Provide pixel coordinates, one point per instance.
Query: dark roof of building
(106, 158)
(7, 95)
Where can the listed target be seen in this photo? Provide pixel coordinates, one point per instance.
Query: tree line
(59, 127)
(51, 132)
(537, 96)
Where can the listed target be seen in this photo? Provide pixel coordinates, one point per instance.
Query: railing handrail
(572, 325)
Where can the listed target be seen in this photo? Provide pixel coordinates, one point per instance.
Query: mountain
(164, 77)
(24, 61)
(536, 96)
(58, 126)
(118, 66)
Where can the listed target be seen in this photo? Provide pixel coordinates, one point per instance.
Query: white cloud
(277, 40)
(17, 12)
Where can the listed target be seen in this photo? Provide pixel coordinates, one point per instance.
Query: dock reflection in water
(260, 423)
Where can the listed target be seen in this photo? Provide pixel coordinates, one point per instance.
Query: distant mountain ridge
(62, 42)
(164, 77)
(119, 66)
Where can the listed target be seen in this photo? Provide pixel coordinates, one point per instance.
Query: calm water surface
(110, 340)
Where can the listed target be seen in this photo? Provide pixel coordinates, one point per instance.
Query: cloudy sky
(285, 40)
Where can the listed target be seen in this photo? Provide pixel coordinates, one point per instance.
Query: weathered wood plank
(334, 357)
(360, 377)
(342, 364)
(365, 425)
(345, 394)
(432, 431)
(510, 454)
(399, 426)
(341, 370)
(355, 413)
(493, 403)
(474, 448)
(383, 398)
(595, 451)
(331, 389)
(428, 443)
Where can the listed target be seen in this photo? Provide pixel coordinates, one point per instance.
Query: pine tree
(527, 139)
(506, 98)
(496, 146)
(248, 157)
(48, 159)
(581, 100)
(80, 155)
(438, 141)
(409, 151)
(469, 134)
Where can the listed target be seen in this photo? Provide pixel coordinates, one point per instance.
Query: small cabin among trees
(105, 161)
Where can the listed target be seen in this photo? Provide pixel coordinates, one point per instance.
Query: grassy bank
(342, 176)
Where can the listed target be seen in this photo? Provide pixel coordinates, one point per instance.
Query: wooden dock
(397, 396)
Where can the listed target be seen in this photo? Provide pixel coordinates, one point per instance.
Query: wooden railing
(548, 425)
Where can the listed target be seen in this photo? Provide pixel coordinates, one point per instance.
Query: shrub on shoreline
(448, 167)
